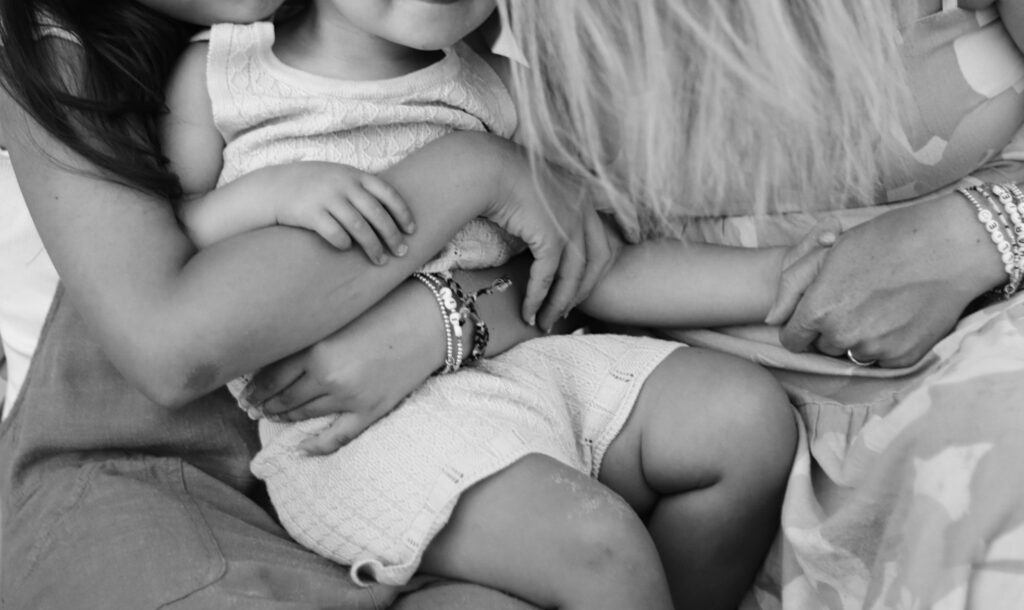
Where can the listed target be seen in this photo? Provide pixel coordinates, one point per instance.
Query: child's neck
(323, 43)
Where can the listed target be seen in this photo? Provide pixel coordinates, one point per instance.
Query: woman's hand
(571, 244)
(370, 366)
(891, 288)
(800, 267)
(362, 371)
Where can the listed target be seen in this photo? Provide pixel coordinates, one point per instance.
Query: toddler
(489, 474)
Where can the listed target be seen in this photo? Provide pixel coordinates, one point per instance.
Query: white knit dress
(378, 502)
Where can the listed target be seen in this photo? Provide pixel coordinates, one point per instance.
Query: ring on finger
(856, 361)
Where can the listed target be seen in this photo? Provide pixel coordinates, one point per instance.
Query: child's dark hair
(104, 105)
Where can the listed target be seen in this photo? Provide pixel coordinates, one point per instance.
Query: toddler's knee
(763, 429)
(606, 541)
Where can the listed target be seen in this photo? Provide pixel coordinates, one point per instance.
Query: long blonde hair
(675, 108)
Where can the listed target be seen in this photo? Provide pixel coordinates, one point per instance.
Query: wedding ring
(853, 359)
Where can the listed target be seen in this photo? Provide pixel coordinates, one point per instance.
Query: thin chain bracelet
(450, 318)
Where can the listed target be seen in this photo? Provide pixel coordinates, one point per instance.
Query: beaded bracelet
(457, 307)
(1013, 205)
(1011, 254)
(451, 319)
(1002, 196)
(997, 198)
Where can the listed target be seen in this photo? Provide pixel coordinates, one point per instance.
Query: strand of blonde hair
(674, 108)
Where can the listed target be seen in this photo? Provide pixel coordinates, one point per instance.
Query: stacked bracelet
(1004, 201)
(457, 307)
(1001, 216)
(481, 334)
(450, 317)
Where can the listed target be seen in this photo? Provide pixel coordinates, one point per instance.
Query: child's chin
(430, 45)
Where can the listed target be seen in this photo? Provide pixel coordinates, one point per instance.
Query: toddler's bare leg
(554, 537)
(704, 459)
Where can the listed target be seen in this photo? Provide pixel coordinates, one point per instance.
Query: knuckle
(545, 281)
(845, 338)
(788, 281)
(359, 225)
(286, 398)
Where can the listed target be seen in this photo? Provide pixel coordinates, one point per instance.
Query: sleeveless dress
(376, 503)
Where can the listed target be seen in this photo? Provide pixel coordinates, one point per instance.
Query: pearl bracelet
(451, 319)
(1006, 239)
(457, 306)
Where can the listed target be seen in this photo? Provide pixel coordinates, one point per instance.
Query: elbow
(166, 395)
(171, 385)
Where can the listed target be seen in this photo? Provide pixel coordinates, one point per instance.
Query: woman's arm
(894, 286)
(365, 369)
(178, 322)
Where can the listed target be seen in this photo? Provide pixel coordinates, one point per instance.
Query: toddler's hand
(360, 373)
(800, 266)
(346, 206)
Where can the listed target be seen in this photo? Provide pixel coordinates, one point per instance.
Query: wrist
(982, 268)
(433, 330)
(456, 310)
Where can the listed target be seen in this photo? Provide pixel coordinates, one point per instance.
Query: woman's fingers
(340, 433)
(273, 379)
(800, 331)
(793, 283)
(546, 262)
(318, 406)
(822, 235)
(564, 292)
(602, 246)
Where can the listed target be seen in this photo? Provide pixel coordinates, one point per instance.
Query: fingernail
(532, 320)
(410, 228)
(382, 259)
(246, 392)
(402, 250)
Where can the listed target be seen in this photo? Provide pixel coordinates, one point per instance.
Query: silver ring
(853, 359)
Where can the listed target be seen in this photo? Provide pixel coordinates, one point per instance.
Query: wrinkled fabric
(908, 486)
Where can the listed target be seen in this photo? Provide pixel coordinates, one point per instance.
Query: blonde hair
(672, 108)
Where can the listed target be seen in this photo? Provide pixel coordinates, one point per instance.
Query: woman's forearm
(178, 322)
(263, 295)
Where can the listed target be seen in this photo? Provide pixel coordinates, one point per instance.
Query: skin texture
(893, 287)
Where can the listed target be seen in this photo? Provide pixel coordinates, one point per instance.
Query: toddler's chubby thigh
(377, 503)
